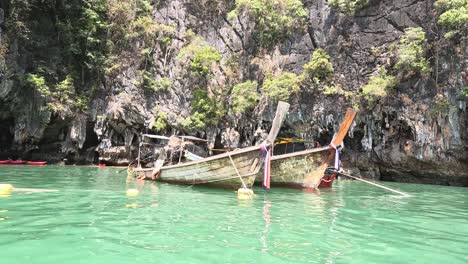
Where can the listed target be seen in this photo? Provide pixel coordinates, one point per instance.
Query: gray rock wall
(399, 139)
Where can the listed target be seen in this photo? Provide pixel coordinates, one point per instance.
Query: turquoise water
(90, 220)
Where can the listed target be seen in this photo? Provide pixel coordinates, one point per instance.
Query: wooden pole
(339, 137)
(281, 112)
(181, 150)
(139, 150)
(344, 128)
(313, 178)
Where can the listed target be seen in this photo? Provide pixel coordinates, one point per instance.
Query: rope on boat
(373, 183)
(240, 177)
(238, 174)
(323, 180)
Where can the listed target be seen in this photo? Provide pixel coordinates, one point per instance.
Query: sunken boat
(232, 169)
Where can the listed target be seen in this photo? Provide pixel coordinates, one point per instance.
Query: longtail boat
(233, 169)
(307, 169)
(17, 162)
(36, 163)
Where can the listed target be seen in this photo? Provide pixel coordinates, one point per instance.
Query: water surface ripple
(90, 220)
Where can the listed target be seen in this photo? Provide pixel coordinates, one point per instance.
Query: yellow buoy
(132, 192)
(6, 189)
(245, 194)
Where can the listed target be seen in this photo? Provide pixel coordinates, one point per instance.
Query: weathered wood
(344, 128)
(232, 170)
(216, 170)
(305, 169)
(302, 169)
(281, 112)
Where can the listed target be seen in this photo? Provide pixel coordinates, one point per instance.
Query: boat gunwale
(300, 153)
(212, 158)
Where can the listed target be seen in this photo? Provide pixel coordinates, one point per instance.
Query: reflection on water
(90, 219)
(266, 217)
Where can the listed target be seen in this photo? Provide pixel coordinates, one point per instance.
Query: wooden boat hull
(218, 171)
(36, 163)
(17, 162)
(306, 169)
(233, 170)
(301, 170)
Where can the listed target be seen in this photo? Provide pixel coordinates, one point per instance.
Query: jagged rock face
(401, 138)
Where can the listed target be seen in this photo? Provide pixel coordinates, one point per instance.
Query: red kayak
(17, 162)
(36, 163)
(5, 161)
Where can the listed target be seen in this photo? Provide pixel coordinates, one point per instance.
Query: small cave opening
(354, 143)
(91, 140)
(218, 146)
(56, 131)
(90, 144)
(405, 136)
(118, 140)
(6, 137)
(325, 137)
(49, 147)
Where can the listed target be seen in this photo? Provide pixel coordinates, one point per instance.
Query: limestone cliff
(417, 133)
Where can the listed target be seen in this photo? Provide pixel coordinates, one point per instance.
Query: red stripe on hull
(36, 163)
(17, 162)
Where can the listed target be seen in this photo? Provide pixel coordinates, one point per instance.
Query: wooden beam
(281, 112)
(344, 128)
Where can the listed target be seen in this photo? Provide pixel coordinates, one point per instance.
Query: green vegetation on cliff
(89, 42)
(160, 121)
(281, 87)
(453, 16)
(410, 53)
(205, 111)
(201, 56)
(274, 19)
(319, 66)
(379, 85)
(348, 7)
(244, 96)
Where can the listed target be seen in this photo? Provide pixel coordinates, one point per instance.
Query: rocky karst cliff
(82, 80)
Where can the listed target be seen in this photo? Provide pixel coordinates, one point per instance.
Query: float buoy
(245, 194)
(6, 189)
(132, 192)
